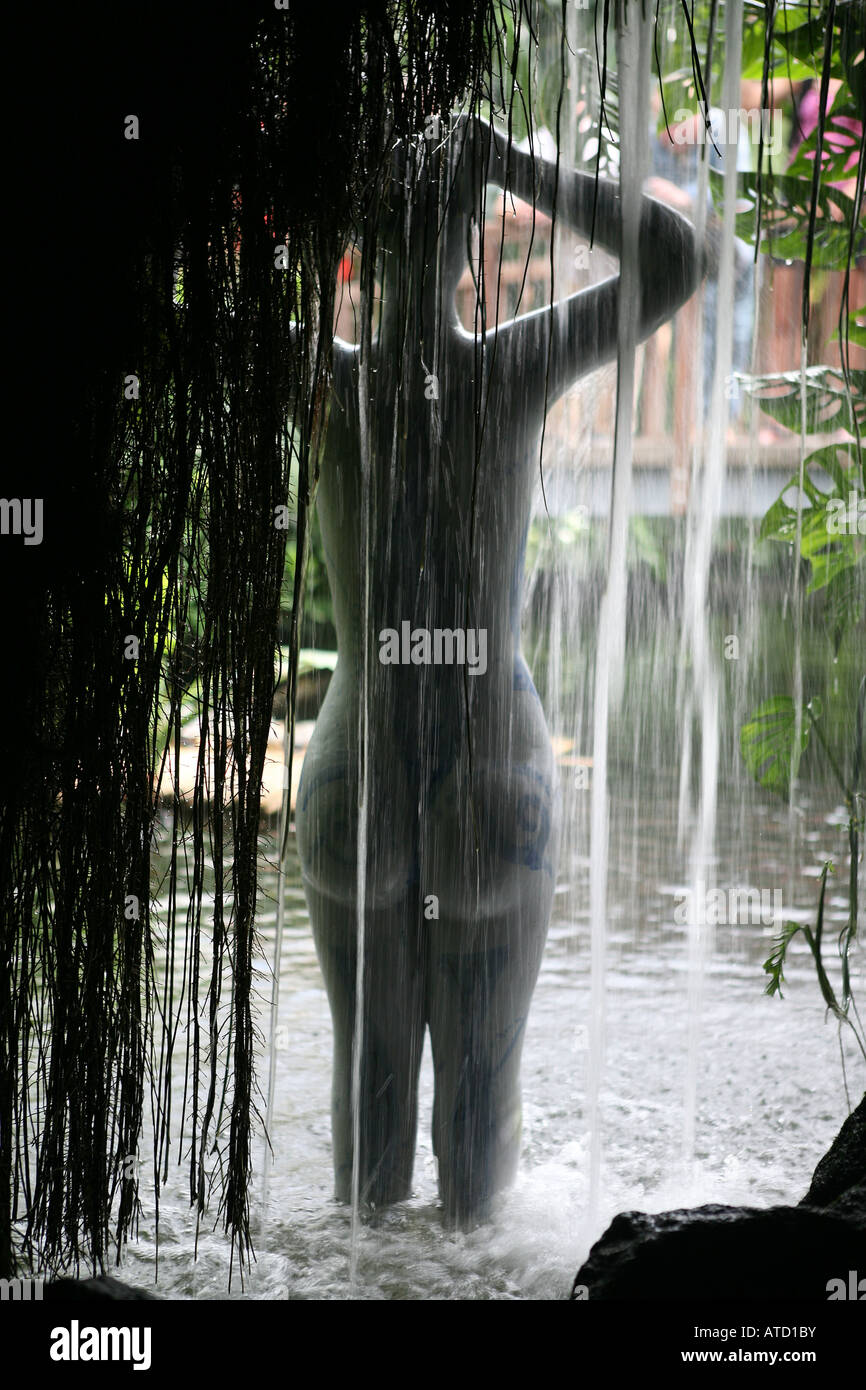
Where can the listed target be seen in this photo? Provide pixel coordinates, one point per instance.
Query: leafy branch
(768, 748)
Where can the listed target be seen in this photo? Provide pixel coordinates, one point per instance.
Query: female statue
(461, 785)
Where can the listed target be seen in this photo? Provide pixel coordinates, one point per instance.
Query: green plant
(774, 739)
(768, 738)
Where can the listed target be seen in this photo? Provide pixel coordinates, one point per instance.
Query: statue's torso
(448, 510)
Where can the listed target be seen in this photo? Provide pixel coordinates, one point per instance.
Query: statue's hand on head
(577, 334)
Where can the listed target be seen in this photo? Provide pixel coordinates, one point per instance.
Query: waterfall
(697, 654)
(363, 755)
(633, 50)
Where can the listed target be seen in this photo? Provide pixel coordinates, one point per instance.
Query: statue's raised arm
(579, 333)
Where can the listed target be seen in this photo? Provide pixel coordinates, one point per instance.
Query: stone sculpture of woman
(461, 786)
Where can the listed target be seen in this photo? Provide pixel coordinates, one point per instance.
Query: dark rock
(839, 1181)
(722, 1253)
(106, 1289)
(740, 1252)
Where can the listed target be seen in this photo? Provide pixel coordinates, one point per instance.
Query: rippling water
(770, 1090)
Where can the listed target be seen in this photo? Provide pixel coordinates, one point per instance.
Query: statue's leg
(392, 1042)
(484, 954)
(393, 1017)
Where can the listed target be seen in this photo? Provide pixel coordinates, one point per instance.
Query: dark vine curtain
(177, 270)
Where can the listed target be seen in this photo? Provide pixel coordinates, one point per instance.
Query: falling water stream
(656, 1073)
(633, 52)
(699, 659)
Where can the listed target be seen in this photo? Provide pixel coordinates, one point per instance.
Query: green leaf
(828, 549)
(840, 465)
(775, 962)
(828, 404)
(845, 603)
(786, 204)
(796, 52)
(806, 43)
(849, 18)
(768, 744)
(839, 143)
(780, 522)
(855, 331)
(829, 555)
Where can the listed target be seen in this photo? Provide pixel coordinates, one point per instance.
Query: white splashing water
(698, 657)
(633, 48)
